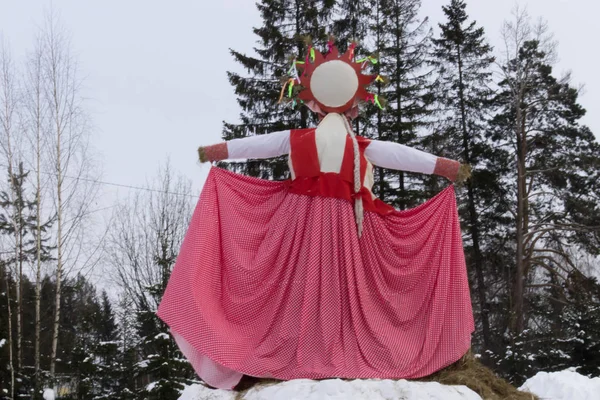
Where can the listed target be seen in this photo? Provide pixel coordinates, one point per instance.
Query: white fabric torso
(331, 136)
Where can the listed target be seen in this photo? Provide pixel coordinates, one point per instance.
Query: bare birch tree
(35, 114)
(143, 228)
(74, 185)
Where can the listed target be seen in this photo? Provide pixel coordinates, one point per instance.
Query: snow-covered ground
(49, 394)
(565, 385)
(336, 389)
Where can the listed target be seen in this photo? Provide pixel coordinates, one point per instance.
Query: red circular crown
(335, 84)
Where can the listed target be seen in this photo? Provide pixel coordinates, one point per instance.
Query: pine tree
(554, 180)
(557, 162)
(280, 36)
(463, 60)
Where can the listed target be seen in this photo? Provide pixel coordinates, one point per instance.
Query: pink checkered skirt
(275, 284)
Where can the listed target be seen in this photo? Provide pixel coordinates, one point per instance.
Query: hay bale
(250, 382)
(468, 371)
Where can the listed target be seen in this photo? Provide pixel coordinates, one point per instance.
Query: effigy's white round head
(334, 83)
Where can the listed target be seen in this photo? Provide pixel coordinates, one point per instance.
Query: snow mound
(49, 394)
(336, 389)
(563, 385)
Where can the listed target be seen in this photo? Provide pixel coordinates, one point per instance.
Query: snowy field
(336, 389)
(565, 385)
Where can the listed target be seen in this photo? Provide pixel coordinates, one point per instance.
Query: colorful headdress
(335, 84)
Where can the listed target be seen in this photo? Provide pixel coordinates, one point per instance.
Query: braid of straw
(358, 202)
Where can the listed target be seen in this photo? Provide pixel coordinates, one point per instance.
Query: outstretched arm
(403, 158)
(259, 146)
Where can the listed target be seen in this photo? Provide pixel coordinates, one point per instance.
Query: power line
(113, 184)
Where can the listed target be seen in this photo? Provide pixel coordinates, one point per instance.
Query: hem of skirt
(461, 351)
(200, 362)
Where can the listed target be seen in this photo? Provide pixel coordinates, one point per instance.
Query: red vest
(309, 180)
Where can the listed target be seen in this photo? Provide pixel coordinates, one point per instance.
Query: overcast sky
(155, 70)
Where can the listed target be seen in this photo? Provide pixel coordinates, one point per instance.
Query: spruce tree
(581, 322)
(403, 56)
(371, 121)
(18, 222)
(162, 362)
(284, 23)
(106, 351)
(7, 295)
(463, 61)
(352, 23)
(81, 312)
(126, 370)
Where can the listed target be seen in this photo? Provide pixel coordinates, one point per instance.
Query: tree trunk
(38, 281)
(10, 335)
(517, 323)
(402, 202)
(59, 252)
(20, 300)
(300, 50)
(381, 177)
(17, 231)
(473, 225)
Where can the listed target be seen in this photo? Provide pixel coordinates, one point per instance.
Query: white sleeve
(400, 157)
(260, 146)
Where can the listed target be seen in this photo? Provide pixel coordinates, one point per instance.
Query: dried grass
(468, 371)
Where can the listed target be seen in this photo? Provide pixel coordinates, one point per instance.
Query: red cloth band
(446, 168)
(216, 152)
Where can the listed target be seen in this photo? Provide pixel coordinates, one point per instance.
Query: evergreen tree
(463, 60)
(567, 333)
(18, 222)
(82, 310)
(162, 362)
(404, 55)
(554, 181)
(280, 36)
(14, 221)
(352, 22)
(7, 295)
(372, 119)
(108, 360)
(581, 321)
(128, 351)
